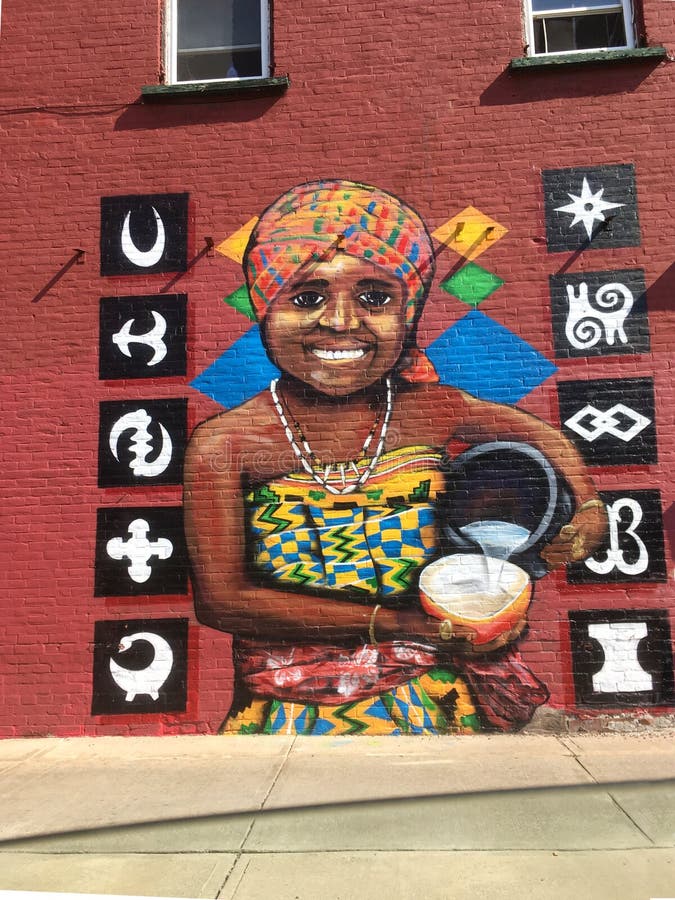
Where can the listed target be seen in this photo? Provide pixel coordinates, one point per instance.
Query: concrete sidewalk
(580, 817)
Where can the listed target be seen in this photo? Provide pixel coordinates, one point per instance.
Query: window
(217, 40)
(568, 26)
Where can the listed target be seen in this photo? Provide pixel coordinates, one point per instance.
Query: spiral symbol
(586, 333)
(613, 296)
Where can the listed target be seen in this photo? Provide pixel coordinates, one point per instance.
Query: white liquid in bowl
(473, 586)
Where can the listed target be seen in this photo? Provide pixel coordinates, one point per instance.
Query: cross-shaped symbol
(139, 550)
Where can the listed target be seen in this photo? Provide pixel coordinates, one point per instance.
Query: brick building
(140, 141)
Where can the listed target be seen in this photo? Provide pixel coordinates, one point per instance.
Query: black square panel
(593, 206)
(142, 337)
(599, 313)
(140, 550)
(141, 443)
(622, 657)
(140, 666)
(633, 550)
(142, 234)
(610, 420)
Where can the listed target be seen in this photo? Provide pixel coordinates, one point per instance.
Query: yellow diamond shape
(235, 244)
(470, 233)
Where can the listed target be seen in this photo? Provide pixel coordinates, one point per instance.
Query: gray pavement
(242, 818)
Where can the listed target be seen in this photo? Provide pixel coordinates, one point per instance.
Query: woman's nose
(340, 313)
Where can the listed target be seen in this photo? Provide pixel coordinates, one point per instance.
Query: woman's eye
(308, 299)
(374, 298)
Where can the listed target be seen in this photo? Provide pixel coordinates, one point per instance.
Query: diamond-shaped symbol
(472, 284)
(470, 233)
(591, 422)
(234, 245)
(241, 301)
(484, 358)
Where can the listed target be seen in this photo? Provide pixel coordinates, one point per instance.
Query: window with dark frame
(217, 40)
(575, 26)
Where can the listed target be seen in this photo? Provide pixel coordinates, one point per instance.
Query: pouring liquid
(497, 539)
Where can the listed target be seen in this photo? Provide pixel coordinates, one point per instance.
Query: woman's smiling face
(339, 327)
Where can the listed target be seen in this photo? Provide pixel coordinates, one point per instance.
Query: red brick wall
(420, 103)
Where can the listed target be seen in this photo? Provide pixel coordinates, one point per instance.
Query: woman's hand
(462, 641)
(579, 538)
(453, 638)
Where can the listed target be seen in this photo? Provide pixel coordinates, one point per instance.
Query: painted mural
(368, 574)
(374, 540)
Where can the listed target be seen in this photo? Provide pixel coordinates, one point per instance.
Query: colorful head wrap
(313, 221)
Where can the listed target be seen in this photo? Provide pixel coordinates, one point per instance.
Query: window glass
(560, 33)
(210, 23)
(218, 39)
(539, 6)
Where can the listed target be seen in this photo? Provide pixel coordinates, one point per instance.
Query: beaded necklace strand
(306, 455)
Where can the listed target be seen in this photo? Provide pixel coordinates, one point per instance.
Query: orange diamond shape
(234, 245)
(470, 233)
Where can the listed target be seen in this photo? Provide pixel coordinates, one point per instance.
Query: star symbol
(587, 207)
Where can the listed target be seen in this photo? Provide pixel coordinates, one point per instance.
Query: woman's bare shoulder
(440, 396)
(252, 414)
(430, 413)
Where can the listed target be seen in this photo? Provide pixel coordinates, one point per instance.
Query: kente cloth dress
(368, 545)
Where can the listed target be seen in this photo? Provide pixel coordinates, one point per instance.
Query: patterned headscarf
(313, 221)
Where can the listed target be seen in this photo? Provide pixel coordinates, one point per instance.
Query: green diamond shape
(241, 301)
(472, 284)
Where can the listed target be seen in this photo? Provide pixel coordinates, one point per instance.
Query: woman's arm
(483, 421)
(227, 599)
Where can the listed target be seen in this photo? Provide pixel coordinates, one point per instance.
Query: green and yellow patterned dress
(368, 545)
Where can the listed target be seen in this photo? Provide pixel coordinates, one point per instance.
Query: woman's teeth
(338, 354)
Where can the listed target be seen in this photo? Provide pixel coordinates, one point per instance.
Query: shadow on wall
(179, 113)
(543, 85)
(661, 292)
(669, 527)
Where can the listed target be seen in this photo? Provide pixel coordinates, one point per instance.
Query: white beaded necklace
(308, 452)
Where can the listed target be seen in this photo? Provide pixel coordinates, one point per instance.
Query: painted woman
(308, 549)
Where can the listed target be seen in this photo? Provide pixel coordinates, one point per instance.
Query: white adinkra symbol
(152, 338)
(607, 422)
(587, 207)
(143, 681)
(615, 556)
(586, 320)
(139, 550)
(621, 670)
(141, 444)
(143, 258)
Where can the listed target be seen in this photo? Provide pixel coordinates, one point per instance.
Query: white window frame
(171, 46)
(623, 6)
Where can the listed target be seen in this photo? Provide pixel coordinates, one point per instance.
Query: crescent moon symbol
(143, 258)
